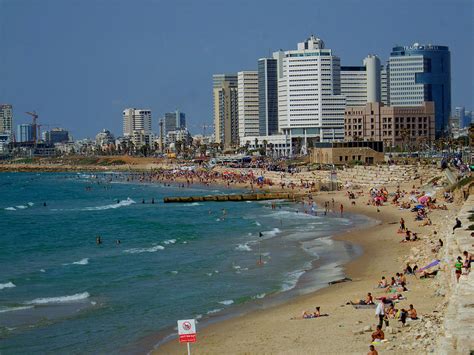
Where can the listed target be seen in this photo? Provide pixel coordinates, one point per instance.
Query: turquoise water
(60, 292)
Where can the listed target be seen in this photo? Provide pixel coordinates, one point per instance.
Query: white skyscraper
(247, 83)
(310, 104)
(6, 119)
(362, 84)
(354, 85)
(136, 120)
(384, 85)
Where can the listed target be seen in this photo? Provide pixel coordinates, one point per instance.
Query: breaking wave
(61, 299)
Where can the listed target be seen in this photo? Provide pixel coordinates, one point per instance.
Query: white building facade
(248, 108)
(137, 126)
(354, 85)
(6, 119)
(310, 104)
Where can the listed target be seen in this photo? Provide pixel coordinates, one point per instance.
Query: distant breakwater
(236, 197)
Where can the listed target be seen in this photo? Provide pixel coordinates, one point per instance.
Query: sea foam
(144, 250)
(122, 203)
(84, 261)
(10, 209)
(227, 302)
(243, 247)
(12, 309)
(7, 285)
(61, 299)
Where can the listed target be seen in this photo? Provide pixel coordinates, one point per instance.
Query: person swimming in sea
(98, 241)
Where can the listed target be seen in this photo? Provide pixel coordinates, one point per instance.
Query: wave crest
(61, 299)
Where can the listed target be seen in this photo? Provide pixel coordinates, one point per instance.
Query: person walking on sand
(458, 266)
(380, 313)
(457, 225)
(341, 208)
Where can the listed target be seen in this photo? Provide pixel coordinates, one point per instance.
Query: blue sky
(79, 63)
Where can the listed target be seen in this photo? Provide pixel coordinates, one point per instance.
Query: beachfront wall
(345, 155)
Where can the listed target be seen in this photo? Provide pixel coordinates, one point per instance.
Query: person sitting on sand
(427, 222)
(372, 351)
(383, 282)
(408, 270)
(438, 246)
(412, 313)
(378, 334)
(318, 312)
(307, 315)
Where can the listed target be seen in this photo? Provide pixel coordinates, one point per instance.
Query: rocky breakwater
(235, 197)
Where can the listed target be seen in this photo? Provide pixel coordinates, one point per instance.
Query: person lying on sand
(426, 274)
(388, 299)
(396, 288)
(316, 314)
(368, 300)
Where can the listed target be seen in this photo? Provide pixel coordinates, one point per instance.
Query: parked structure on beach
(341, 153)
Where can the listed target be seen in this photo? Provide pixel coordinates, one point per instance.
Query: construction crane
(34, 115)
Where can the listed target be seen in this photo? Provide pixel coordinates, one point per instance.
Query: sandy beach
(274, 331)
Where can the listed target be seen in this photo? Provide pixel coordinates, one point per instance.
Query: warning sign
(187, 331)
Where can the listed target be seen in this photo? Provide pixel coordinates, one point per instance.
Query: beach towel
(364, 306)
(430, 265)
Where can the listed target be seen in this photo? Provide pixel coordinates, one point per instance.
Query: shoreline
(166, 345)
(273, 299)
(271, 330)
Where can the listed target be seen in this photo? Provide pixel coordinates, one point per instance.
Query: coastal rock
(428, 324)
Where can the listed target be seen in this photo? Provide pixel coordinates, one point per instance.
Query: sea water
(62, 292)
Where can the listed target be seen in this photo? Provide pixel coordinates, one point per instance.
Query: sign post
(187, 332)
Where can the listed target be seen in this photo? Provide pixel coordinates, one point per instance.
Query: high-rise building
(174, 121)
(136, 120)
(6, 119)
(354, 85)
(310, 104)
(384, 85)
(420, 73)
(247, 82)
(56, 135)
(372, 68)
(362, 84)
(226, 115)
(24, 133)
(268, 96)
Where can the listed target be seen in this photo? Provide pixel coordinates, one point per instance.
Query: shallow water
(61, 292)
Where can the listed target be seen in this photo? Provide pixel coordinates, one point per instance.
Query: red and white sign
(187, 331)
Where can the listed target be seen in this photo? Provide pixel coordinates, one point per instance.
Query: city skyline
(38, 69)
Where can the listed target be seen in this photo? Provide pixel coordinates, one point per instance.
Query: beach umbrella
(430, 265)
